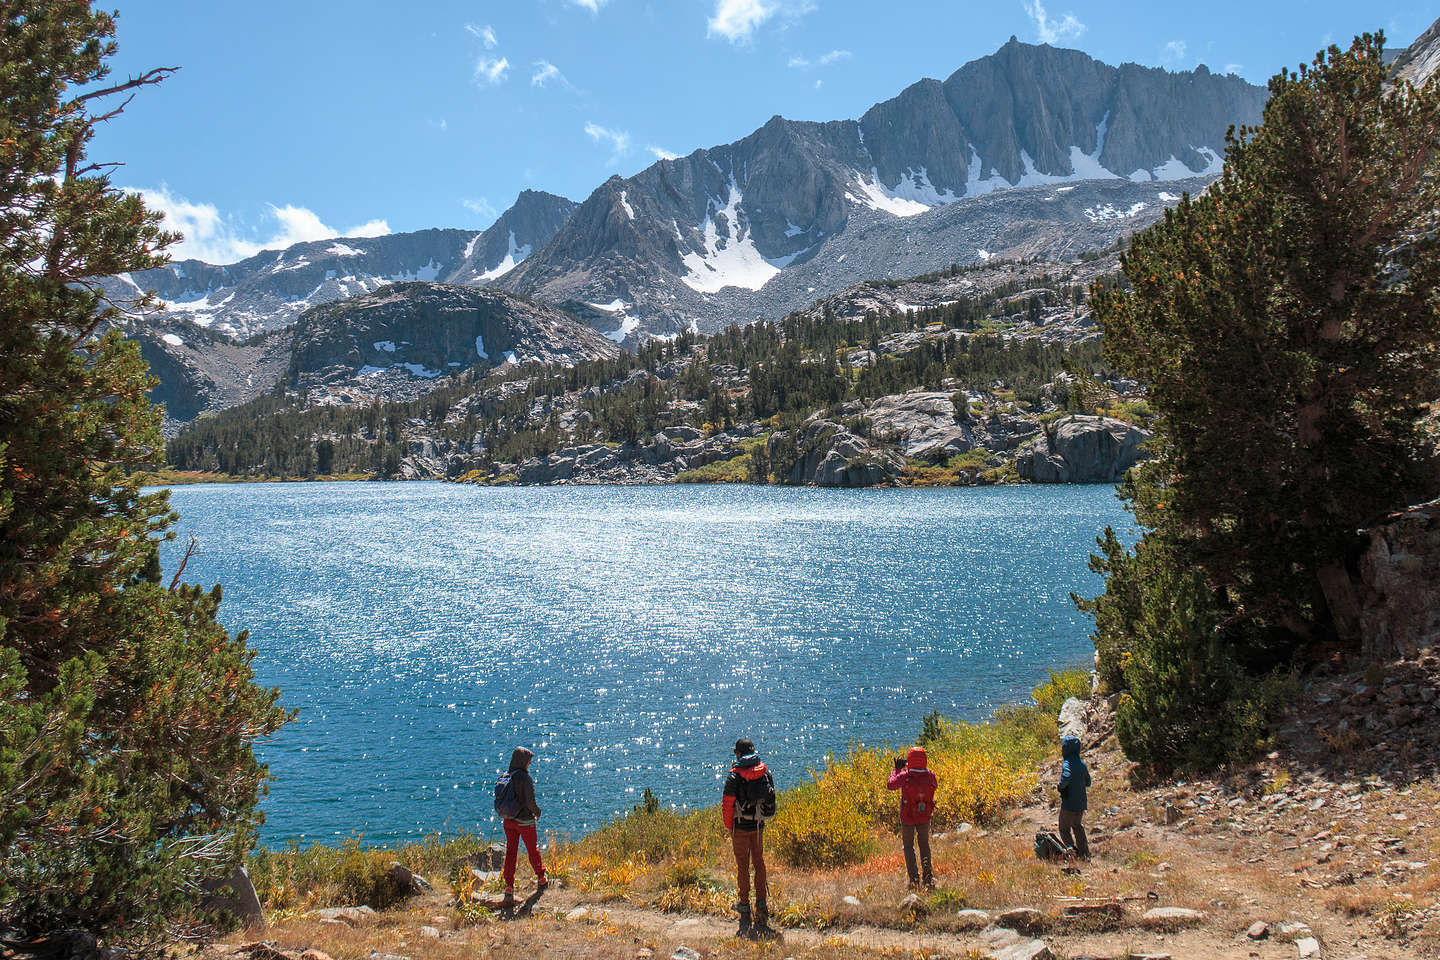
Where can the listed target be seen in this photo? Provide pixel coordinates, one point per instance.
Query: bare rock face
(1421, 59)
(1400, 582)
(429, 330)
(921, 423)
(832, 456)
(1082, 450)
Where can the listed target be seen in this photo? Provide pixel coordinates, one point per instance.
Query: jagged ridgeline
(1031, 152)
(738, 393)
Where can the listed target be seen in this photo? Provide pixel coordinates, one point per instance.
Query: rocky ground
(1327, 847)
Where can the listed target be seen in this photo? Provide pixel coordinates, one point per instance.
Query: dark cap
(744, 747)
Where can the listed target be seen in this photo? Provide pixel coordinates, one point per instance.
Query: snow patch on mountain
(344, 250)
(1175, 168)
(1109, 211)
(480, 348)
(173, 340)
(876, 196)
(387, 346)
(513, 256)
(629, 211)
(731, 260)
(428, 273)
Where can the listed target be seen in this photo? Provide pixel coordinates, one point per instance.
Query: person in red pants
(522, 825)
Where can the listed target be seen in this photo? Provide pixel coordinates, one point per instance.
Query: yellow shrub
(818, 826)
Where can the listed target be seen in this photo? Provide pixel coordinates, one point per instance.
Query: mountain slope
(395, 343)
(271, 289)
(1419, 61)
(650, 251)
(423, 331)
(527, 226)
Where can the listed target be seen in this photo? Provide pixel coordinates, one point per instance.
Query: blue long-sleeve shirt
(1074, 777)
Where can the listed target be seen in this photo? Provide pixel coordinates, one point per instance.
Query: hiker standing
(917, 804)
(515, 802)
(749, 801)
(1074, 779)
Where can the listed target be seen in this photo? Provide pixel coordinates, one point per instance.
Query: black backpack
(1050, 847)
(755, 799)
(507, 799)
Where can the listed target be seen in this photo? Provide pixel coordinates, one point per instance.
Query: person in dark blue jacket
(1074, 779)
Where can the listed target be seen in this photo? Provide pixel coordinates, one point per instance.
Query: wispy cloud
(618, 140)
(1174, 51)
(737, 20)
(215, 237)
(663, 154)
(485, 34)
(490, 70)
(1234, 68)
(1067, 27)
(546, 73)
(801, 62)
(592, 5)
(481, 207)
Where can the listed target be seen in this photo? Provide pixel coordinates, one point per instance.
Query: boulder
(409, 883)
(1082, 450)
(972, 919)
(1399, 591)
(1072, 719)
(1308, 947)
(922, 424)
(1024, 950)
(1170, 918)
(912, 904)
(1023, 919)
(235, 896)
(491, 858)
(1259, 930)
(346, 915)
(832, 456)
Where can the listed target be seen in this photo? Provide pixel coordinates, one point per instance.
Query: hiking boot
(762, 919)
(541, 884)
(743, 909)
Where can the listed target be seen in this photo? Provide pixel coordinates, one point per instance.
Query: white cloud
(491, 71)
(214, 237)
(592, 5)
(481, 207)
(545, 71)
(661, 154)
(486, 34)
(800, 62)
(1174, 51)
(1053, 31)
(1234, 68)
(619, 140)
(737, 20)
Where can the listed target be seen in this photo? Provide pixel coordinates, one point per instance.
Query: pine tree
(127, 713)
(1286, 323)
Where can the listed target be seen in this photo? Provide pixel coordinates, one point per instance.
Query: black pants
(1072, 832)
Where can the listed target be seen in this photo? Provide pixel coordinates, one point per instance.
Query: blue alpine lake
(627, 634)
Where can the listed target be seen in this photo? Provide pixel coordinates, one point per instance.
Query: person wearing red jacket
(917, 804)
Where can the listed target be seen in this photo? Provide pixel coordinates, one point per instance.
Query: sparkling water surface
(627, 634)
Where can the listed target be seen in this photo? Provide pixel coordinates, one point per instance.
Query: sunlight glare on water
(628, 634)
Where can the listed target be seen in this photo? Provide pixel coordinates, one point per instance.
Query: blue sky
(303, 119)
